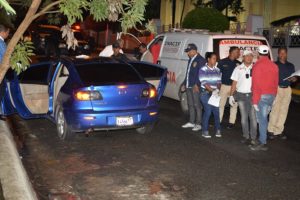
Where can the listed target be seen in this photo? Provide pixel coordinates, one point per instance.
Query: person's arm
(107, 51)
(234, 77)
(294, 78)
(256, 93)
(233, 88)
(2, 50)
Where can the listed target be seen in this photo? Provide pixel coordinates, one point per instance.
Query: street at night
(170, 163)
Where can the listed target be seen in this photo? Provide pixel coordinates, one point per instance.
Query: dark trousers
(208, 110)
(195, 107)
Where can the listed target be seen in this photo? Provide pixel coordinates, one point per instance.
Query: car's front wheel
(63, 130)
(146, 129)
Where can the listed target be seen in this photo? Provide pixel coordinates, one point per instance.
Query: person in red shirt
(264, 89)
(155, 50)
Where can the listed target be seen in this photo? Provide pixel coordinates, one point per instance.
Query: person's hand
(232, 100)
(196, 89)
(183, 88)
(255, 106)
(293, 79)
(216, 92)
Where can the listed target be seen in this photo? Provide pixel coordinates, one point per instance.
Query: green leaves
(4, 4)
(20, 59)
(128, 12)
(98, 8)
(73, 9)
(133, 14)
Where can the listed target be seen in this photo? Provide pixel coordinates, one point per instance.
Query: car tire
(146, 129)
(63, 130)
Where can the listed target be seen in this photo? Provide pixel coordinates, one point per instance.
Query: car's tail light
(88, 95)
(151, 92)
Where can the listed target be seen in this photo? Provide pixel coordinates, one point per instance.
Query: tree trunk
(182, 12)
(5, 65)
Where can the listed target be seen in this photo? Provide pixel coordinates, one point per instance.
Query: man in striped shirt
(210, 79)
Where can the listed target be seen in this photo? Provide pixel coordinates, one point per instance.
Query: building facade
(271, 10)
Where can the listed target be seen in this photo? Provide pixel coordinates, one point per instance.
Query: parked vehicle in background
(88, 95)
(47, 40)
(173, 56)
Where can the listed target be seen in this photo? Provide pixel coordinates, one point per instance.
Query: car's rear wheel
(146, 129)
(63, 130)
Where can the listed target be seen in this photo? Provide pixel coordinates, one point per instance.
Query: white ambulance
(173, 57)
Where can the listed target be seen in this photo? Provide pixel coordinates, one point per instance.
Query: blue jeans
(208, 109)
(264, 105)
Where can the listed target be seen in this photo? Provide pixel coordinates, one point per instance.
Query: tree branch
(46, 9)
(51, 12)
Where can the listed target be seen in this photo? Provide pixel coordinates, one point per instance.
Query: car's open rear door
(153, 74)
(29, 92)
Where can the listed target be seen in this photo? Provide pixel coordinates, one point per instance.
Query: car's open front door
(154, 74)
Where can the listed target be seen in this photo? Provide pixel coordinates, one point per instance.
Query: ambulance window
(221, 46)
(158, 40)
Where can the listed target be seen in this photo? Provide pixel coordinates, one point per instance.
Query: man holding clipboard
(283, 98)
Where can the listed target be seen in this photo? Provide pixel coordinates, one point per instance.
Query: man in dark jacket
(191, 85)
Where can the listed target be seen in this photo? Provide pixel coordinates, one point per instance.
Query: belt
(283, 86)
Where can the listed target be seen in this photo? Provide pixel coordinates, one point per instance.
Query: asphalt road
(169, 164)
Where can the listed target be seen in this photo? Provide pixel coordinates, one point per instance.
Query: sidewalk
(13, 177)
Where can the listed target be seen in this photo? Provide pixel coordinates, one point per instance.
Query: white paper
(296, 73)
(214, 100)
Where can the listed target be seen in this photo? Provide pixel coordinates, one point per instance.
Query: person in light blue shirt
(4, 32)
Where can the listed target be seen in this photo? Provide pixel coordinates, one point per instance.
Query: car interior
(36, 97)
(59, 81)
(36, 93)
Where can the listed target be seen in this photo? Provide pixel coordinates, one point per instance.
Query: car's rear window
(107, 74)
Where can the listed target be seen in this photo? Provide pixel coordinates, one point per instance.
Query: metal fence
(288, 36)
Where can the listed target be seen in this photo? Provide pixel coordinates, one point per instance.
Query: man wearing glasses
(241, 94)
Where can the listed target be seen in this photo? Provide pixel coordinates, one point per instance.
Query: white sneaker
(197, 128)
(188, 125)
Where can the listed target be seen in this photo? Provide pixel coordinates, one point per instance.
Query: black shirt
(285, 70)
(122, 58)
(227, 66)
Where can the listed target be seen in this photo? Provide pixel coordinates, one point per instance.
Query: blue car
(88, 95)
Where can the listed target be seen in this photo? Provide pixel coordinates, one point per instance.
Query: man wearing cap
(264, 89)
(191, 85)
(241, 94)
(227, 65)
(283, 98)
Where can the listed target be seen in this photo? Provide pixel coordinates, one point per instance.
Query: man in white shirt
(241, 94)
(146, 54)
(108, 50)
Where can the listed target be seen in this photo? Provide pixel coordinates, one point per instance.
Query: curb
(14, 179)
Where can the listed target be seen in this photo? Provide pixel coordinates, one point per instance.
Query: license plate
(124, 121)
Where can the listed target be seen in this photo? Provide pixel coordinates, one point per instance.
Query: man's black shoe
(230, 126)
(3, 118)
(271, 136)
(282, 136)
(259, 147)
(245, 141)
